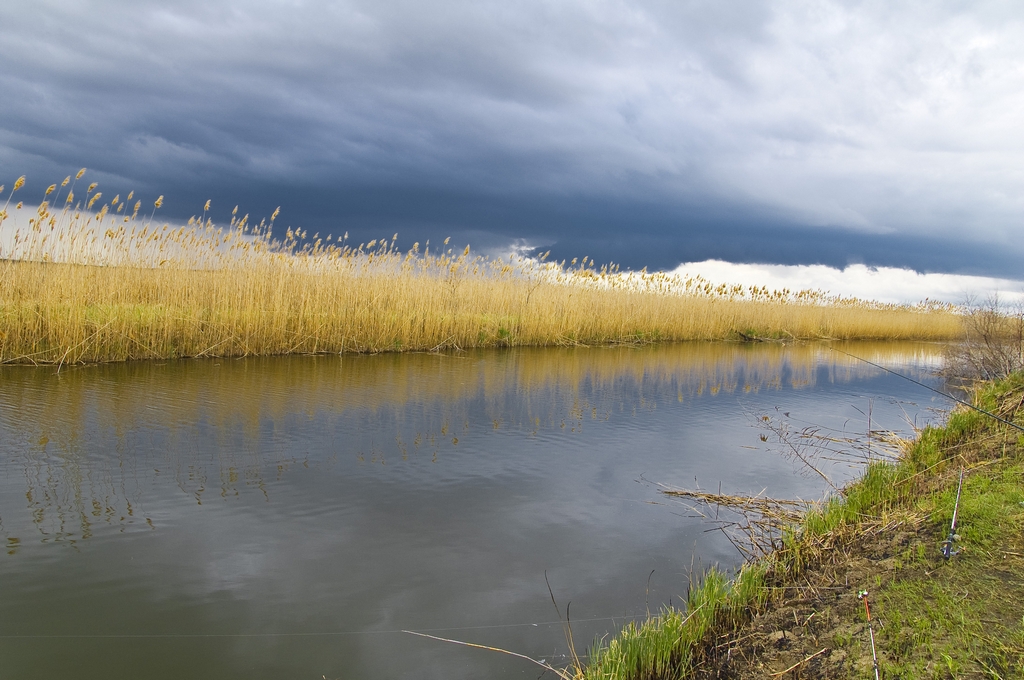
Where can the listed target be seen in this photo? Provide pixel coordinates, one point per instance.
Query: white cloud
(888, 118)
(882, 284)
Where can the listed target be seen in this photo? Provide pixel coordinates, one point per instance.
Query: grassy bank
(95, 281)
(796, 612)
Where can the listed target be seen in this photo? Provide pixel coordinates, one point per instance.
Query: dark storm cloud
(647, 133)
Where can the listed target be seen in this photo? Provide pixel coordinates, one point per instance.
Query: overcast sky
(648, 133)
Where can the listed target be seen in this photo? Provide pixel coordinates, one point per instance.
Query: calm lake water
(289, 517)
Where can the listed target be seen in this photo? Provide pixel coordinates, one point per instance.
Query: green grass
(664, 646)
(963, 616)
(937, 619)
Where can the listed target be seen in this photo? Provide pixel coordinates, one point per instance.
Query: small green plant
(842, 638)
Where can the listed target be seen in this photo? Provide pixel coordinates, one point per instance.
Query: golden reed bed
(83, 280)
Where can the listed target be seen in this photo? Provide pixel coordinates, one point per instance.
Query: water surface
(289, 517)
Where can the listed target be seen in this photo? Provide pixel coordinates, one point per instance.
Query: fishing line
(327, 634)
(927, 387)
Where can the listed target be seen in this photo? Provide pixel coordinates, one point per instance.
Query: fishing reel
(947, 546)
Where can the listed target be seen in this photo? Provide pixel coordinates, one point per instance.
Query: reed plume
(85, 281)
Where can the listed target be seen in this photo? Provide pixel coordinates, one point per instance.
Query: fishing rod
(928, 387)
(863, 595)
(947, 545)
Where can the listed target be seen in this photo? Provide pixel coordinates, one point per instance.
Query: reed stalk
(87, 281)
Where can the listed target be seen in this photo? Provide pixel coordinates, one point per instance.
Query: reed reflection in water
(373, 493)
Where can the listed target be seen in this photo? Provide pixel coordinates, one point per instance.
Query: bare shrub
(992, 345)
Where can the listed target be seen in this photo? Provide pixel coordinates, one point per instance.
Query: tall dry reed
(85, 280)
